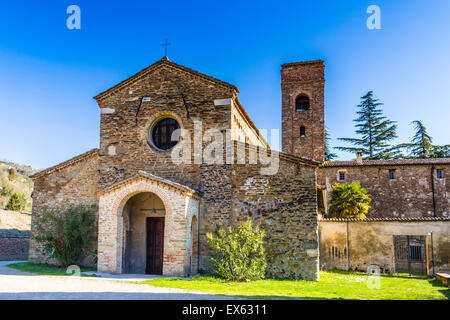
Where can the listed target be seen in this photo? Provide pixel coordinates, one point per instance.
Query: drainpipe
(433, 191)
(432, 253)
(348, 250)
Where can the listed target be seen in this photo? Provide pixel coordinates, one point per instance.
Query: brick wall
(408, 195)
(14, 235)
(14, 248)
(74, 184)
(285, 205)
(303, 78)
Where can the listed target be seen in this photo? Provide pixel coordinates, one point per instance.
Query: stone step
(444, 277)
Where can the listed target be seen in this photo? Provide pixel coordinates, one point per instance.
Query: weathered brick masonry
(303, 79)
(128, 163)
(72, 182)
(415, 191)
(14, 235)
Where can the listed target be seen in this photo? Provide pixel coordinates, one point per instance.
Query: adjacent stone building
(178, 156)
(403, 188)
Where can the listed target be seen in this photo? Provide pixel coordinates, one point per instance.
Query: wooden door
(155, 245)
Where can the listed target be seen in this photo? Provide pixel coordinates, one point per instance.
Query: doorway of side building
(410, 254)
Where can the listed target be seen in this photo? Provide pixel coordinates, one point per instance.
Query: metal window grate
(415, 253)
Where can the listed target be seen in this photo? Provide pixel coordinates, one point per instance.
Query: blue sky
(49, 73)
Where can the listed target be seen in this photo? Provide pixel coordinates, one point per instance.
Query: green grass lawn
(332, 285)
(44, 269)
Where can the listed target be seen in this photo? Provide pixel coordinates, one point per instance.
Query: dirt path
(16, 285)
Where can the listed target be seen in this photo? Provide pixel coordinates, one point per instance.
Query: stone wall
(14, 235)
(14, 248)
(371, 243)
(168, 92)
(285, 205)
(72, 183)
(408, 195)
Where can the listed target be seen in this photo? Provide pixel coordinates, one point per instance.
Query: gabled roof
(393, 162)
(163, 62)
(65, 164)
(143, 175)
(386, 219)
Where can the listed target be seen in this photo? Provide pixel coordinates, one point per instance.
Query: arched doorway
(143, 234)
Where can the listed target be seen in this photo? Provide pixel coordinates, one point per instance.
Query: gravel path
(16, 285)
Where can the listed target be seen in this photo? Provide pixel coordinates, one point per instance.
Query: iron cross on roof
(165, 45)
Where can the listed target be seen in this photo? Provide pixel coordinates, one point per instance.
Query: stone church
(154, 208)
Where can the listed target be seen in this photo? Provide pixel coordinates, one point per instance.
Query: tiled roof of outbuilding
(393, 162)
(410, 219)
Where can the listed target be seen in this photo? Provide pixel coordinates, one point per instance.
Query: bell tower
(302, 119)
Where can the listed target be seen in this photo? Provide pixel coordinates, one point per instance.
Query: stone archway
(143, 246)
(180, 204)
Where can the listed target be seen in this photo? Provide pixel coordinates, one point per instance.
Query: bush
(238, 255)
(17, 202)
(68, 235)
(349, 201)
(12, 174)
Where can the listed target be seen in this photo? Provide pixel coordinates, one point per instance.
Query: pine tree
(420, 145)
(440, 151)
(16, 202)
(375, 131)
(328, 154)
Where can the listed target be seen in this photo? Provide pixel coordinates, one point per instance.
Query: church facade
(178, 156)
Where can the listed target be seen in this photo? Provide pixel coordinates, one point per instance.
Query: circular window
(162, 133)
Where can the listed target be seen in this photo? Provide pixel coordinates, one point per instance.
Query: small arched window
(302, 103)
(302, 131)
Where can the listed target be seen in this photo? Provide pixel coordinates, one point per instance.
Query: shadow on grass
(386, 275)
(445, 290)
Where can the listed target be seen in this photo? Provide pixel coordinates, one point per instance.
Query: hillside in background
(15, 178)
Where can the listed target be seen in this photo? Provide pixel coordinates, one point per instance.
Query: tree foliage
(238, 254)
(328, 154)
(421, 145)
(16, 202)
(349, 201)
(68, 235)
(375, 131)
(440, 151)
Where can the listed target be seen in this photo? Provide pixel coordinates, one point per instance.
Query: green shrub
(12, 174)
(68, 235)
(349, 201)
(238, 254)
(6, 191)
(17, 202)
